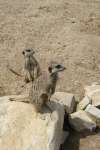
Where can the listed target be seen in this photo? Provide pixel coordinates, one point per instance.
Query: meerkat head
(28, 52)
(55, 67)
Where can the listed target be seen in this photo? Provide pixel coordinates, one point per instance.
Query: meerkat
(44, 86)
(31, 65)
(31, 70)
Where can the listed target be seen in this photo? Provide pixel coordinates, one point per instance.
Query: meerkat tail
(14, 72)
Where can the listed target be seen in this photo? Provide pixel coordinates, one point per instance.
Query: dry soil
(67, 31)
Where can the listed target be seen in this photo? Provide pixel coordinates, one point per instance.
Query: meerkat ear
(50, 69)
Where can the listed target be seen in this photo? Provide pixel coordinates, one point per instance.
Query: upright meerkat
(31, 65)
(44, 86)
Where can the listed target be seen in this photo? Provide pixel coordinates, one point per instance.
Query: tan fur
(31, 66)
(42, 89)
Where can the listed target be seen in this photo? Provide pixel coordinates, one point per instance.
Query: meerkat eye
(23, 53)
(50, 69)
(58, 66)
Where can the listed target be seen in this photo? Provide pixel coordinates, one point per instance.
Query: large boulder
(21, 128)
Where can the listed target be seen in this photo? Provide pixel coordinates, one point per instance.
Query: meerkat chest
(44, 84)
(29, 63)
(40, 84)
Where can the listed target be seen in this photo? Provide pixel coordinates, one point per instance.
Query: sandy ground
(67, 31)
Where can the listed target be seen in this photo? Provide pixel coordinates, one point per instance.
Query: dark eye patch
(23, 53)
(58, 66)
(50, 69)
(28, 50)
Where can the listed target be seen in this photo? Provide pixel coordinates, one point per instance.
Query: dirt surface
(67, 31)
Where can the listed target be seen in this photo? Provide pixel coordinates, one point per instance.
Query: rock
(67, 99)
(83, 104)
(65, 136)
(96, 99)
(23, 129)
(80, 121)
(55, 127)
(93, 92)
(20, 129)
(95, 112)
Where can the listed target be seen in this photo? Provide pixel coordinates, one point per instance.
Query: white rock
(83, 103)
(23, 129)
(55, 127)
(80, 121)
(20, 129)
(96, 99)
(93, 92)
(93, 111)
(67, 99)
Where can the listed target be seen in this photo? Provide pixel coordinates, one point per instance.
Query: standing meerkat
(31, 65)
(44, 86)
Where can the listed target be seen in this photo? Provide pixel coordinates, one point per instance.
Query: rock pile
(87, 116)
(22, 129)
